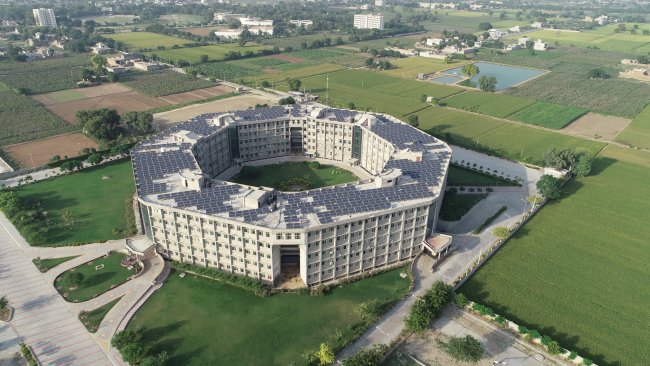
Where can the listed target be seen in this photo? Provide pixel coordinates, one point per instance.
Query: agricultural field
(604, 38)
(411, 67)
(513, 141)
(62, 73)
(551, 275)
(195, 95)
(109, 187)
(295, 41)
(182, 19)
(216, 321)
(568, 82)
(283, 72)
(214, 52)
(23, 120)
(468, 21)
(548, 115)
(401, 41)
(201, 31)
(146, 40)
(637, 133)
(39, 152)
(597, 126)
(119, 19)
(496, 105)
(165, 82)
(332, 56)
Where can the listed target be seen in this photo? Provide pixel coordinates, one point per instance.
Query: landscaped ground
(456, 205)
(39, 152)
(212, 321)
(577, 271)
(146, 40)
(598, 126)
(459, 176)
(164, 82)
(638, 132)
(98, 206)
(296, 176)
(93, 319)
(47, 264)
(99, 276)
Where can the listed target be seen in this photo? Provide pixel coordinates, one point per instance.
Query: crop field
(637, 133)
(165, 82)
(548, 115)
(402, 41)
(119, 19)
(60, 74)
(297, 40)
(146, 40)
(299, 73)
(578, 270)
(181, 19)
(23, 119)
(604, 38)
(214, 52)
(38, 152)
(497, 105)
(332, 56)
(411, 67)
(3, 87)
(510, 140)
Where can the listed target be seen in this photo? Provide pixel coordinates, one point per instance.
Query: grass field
(455, 206)
(146, 40)
(212, 321)
(99, 276)
(164, 82)
(47, 264)
(577, 271)
(214, 52)
(459, 176)
(637, 133)
(411, 67)
(22, 119)
(497, 105)
(274, 175)
(510, 140)
(548, 115)
(97, 205)
(93, 319)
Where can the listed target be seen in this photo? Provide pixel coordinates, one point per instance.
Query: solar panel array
(155, 159)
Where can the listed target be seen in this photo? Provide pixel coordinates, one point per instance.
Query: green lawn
(548, 115)
(47, 264)
(146, 40)
(460, 176)
(637, 133)
(278, 176)
(98, 206)
(198, 321)
(95, 281)
(578, 270)
(93, 319)
(214, 52)
(497, 105)
(455, 206)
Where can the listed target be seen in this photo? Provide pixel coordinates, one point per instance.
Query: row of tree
(105, 124)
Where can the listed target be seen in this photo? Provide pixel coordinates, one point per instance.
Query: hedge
(249, 284)
(489, 220)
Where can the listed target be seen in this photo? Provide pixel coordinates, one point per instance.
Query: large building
(193, 214)
(44, 17)
(369, 21)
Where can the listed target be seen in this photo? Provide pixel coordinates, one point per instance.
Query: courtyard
(294, 176)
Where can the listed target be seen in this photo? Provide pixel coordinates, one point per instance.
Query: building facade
(44, 17)
(193, 215)
(369, 21)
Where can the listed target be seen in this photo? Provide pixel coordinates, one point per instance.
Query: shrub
(314, 165)
(554, 348)
(573, 355)
(256, 287)
(500, 320)
(27, 353)
(533, 334)
(467, 348)
(460, 300)
(489, 220)
(428, 307)
(522, 329)
(587, 361)
(319, 290)
(546, 340)
(368, 356)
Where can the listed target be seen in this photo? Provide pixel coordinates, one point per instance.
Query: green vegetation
(23, 119)
(588, 249)
(548, 115)
(293, 176)
(146, 40)
(28, 355)
(460, 176)
(214, 52)
(331, 56)
(47, 264)
(428, 307)
(637, 133)
(245, 283)
(80, 194)
(398, 358)
(92, 319)
(455, 206)
(216, 321)
(467, 349)
(497, 105)
(165, 82)
(487, 134)
(92, 279)
(61, 73)
(489, 220)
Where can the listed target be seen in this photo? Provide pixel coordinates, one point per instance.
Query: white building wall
(369, 21)
(44, 17)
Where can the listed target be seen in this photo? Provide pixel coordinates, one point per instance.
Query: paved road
(42, 318)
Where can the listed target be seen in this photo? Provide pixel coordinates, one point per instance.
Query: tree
(102, 123)
(501, 232)
(467, 348)
(314, 165)
(294, 84)
(124, 338)
(113, 77)
(597, 73)
(351, 105)
(325, 354)
(203, 59)
(460, 300)
(158, 360)
(266, 84)
(560, 158)
(487, 83)
(95, 158)
(86, 74)
(139, 121)
(132, 353)
(3, 302)
(287, 100)
(414, 120)
(582, 168)
(97, 62)
(470, 70)
(549, 187)
(423, 98)
(485, 26)
(72, 280)
(370, 356)
(643, 59)
(419, 316)
(71, 165)
(370, 62)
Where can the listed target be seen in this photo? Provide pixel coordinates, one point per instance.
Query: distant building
(100, 49)
(476, 6)
(601, 20)
(539, 45)
(222, 17)
(379, 3)
(147, 66)
(301, 22)
(497, 33)
(538, 25)
(627, 61)
(44, 17)
(369, 21)
(255, 22)
(515, 29)
(523, 41)
(434, 41)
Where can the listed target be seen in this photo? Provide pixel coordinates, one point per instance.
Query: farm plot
(638, 132)
(548, 115)
(214, 52)
(39, 152)
(496, 105)
(200, 31)
(230, 70)
(411, 67)
(60, 74)
(551, 275)
(299, 73)
(146, 40)
(23, 120)
(165, 82)
(194, 95)
(70, 95)
(593, 125)
(332, 56)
